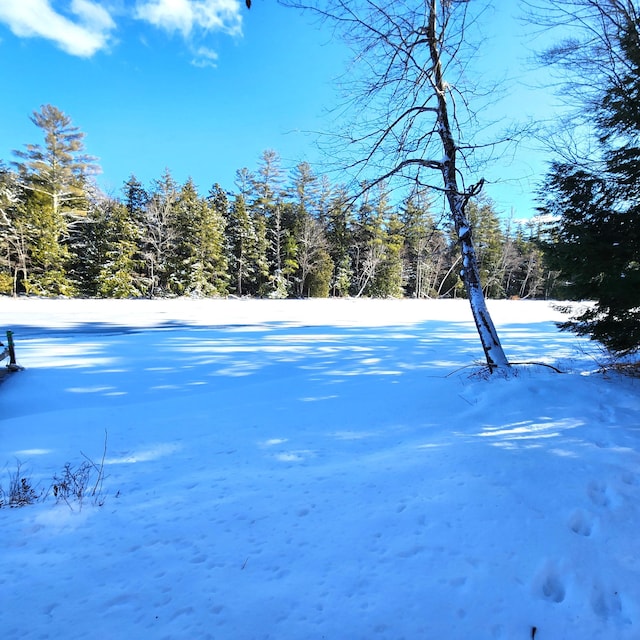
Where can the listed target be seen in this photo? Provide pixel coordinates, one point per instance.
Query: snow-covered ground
(299, 470)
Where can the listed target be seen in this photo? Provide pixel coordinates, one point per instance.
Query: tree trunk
(493, 351)
(457, 200)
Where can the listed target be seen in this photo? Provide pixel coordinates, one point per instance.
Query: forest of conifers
(280, 233)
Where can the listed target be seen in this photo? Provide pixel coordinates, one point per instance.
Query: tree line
(281, 233)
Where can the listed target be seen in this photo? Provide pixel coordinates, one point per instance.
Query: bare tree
(412, 111)
(159, 233)
(312, 245)
(13, 245)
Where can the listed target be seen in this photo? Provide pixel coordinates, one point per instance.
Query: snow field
(331, 470)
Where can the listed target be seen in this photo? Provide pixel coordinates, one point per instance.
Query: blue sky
(202, 87)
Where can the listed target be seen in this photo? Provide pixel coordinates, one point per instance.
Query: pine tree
(319, 278)
(184, 222)
(266, 208)
(213, 267)
(136, 199)
(370, 244)
(88, 249)
(262, 283)
(119, 268)
(425, 250)
(59, 169)
(489, 243)
(389, 278)
(56, 178)
(596, 242)
(48, 257)
(241, 239)
(340, 239)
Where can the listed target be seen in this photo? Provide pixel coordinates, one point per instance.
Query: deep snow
(317, 469)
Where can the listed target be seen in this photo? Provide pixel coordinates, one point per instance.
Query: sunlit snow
(299, 470)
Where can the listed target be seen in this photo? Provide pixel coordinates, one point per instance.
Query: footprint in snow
(606, 603)
(599, 494)
(581, 523)
(549, 585)
(553, 589)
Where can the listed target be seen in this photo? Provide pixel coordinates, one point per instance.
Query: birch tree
(412, 118)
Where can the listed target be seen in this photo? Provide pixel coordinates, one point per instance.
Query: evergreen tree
(262, 282)
(340, 239)
(241, 239)
(489, 243)
(136, 199)
(266, 209)
(119, 268)
(48, 258)
(524, 265)
(390, 274)
(319, 278)
(59, 169)
(55, 176)
(426, 255)
(370, 244)
(88, 248)
(596, 243)
(213, 269)
(184, 221)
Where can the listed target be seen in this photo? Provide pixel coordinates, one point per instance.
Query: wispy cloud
(189, 16)
(204, 57)
(83, 31)
(84, 27)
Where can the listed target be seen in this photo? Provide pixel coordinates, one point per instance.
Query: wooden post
(12, 349)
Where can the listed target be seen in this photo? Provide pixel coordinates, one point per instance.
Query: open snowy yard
(300, 470)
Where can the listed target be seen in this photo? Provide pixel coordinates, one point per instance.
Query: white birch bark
(457, 201)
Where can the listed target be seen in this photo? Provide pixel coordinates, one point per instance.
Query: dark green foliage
(596, 247)
(389, 276)
(339, 230)
(118, 276)
(241, 240)
(48, 257)
(59, 169)
(319, 278)
(596, 241)
(276, 236)
(426, 253)
(54, 179)
(489, 243)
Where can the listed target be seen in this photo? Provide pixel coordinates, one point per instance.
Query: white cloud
(187, 16)
(171, 15)
(205, 57)
(84, 32)
(92, 15)
(83, 27)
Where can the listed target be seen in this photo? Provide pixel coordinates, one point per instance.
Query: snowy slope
(317, 469)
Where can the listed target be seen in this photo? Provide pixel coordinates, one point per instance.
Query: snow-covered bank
(336, 312)
(317, 469)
